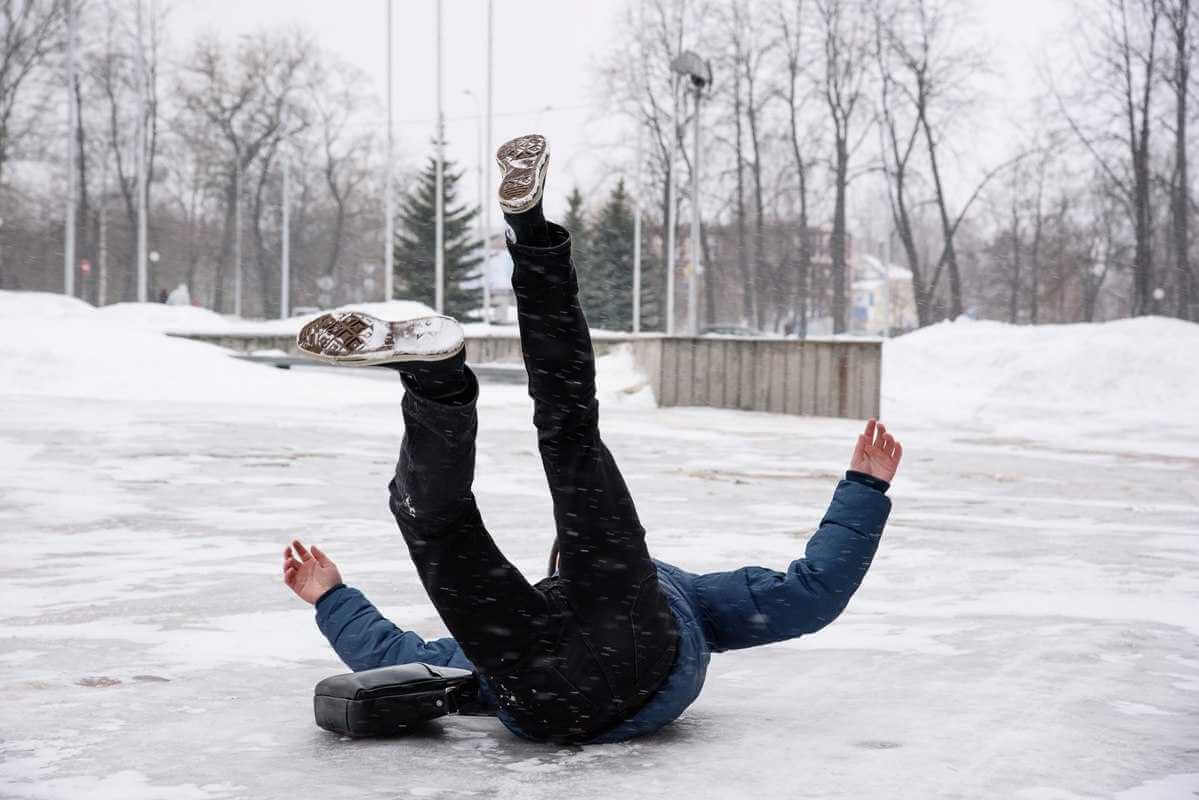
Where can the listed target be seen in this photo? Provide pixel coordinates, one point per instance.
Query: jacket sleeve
(754, 605)
(365, 639)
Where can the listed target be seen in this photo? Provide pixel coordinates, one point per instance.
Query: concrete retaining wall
(827, 378)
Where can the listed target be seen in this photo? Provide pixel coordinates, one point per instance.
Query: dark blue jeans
(579, 652)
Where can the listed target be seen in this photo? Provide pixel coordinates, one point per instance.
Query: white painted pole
(102, 266)
(696, 265)
(670, 221)
(237, 237)
(480, 155)
(389, 172)
(285, 248)
(485, 209)
(638, 189)
(142, 277)
(439, 199)
(68, 250)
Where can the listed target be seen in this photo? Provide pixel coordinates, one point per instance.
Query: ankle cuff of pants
(558, 246)
(426, 408)
(538, 270)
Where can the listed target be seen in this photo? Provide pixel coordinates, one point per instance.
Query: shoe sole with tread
(358, 339)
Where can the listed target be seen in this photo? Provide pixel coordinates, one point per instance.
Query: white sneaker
(357, 339)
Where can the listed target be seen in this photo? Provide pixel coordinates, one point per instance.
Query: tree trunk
(759, 205)
(837, 244)
(743, 263)
(1034, 290)
(83, 248)
(227, 234)
(1013, 315)
(1182, 191)
(947, 232)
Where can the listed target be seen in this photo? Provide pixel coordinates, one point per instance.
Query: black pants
(576, 653)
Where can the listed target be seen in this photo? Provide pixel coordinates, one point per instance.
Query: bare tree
(922, 58)
(1178, 17)
(793, 25)
(846, 54)
(244, 100)
(31, 34)
(115, 72)
(344, 147)
(1124, 67)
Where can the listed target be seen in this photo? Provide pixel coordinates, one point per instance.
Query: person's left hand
(877, 452)
(312, 575)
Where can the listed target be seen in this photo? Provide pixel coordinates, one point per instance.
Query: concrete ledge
(834, 377)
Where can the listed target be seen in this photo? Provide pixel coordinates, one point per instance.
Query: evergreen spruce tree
(576, 223)
(606, 282)
(415, 245)
(653, 286)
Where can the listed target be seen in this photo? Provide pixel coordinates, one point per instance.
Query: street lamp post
(68, 261)
(285, 244)
(485, 211)
(439, 198)
(691, 66)
(637, 188)
(142, 276)
(482, 155)
(388, 174)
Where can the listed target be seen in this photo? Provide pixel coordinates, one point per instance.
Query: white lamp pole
(485, 209)
(670, 219)
(237, 234)
(699, 72)
(285, 246)
(68, 250)
(439, 197)
(388, 173)
(637, 188)
(142, 277)
(480, 155)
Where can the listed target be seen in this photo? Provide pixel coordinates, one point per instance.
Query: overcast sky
(545, 56)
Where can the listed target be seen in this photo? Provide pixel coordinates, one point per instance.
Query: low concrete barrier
(812, 377)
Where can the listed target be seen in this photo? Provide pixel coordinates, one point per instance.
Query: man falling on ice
(614, 644)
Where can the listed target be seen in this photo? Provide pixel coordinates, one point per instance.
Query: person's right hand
(312, 575)
(877, 452)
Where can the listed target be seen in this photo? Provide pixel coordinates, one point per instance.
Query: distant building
(883, 300)
(496, 271)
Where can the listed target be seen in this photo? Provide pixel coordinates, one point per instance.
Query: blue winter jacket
(715, 612)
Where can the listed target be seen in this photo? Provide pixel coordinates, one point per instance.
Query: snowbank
(52, 345)
(1132, 375)
(1130, 378)
(191, 319)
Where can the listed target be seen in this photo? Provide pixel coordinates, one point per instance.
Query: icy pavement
(1029, 628)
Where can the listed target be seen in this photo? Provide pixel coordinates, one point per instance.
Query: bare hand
(877, 452)
(312, 575)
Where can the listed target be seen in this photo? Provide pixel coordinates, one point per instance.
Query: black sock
(529, 227)
(442, 381)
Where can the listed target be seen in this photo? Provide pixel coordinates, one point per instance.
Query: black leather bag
(383, 701)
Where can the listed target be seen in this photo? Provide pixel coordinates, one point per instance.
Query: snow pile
(192, 319)
(41, 305)
(618, 379)
(1128, 375)
(51, 345)
(164, 318)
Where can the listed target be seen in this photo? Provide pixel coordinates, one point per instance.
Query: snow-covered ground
(1029, 629)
